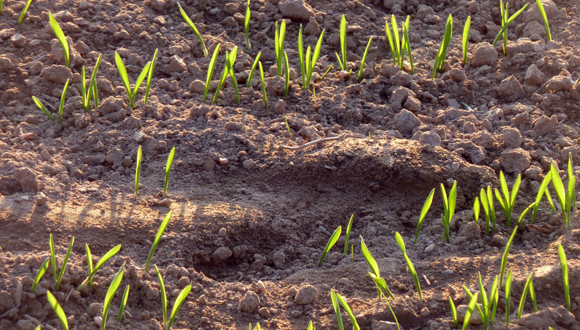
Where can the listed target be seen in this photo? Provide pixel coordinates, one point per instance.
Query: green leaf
(138, 170)
(469, 310)
(42, 107)
(264, 95)
(314, 59)
(287, 73)
(348, 229)
(192, 26)
(453, 312)
(391, 42)
(57, 310)
(160, 232)
(524, 295)
(545, 18)
(408, 44)
(150, 75)
(163, 294)
(210, 71)
(99, 264)
(400, 242)
(515, 190)
(86, 97)
(476, 210)
(61, 38)
(504, 257)
(93, 85)
(64, 263)
(343, 42)
(424, 210)
(62, 98)
(541, 193)
(369, 258)
(330, 244)
(140, 80)
(124, 77)
(564, 264)
(364, 58)
(336, 306)
(40, 273)
(123, 303)
(249, 84)
(168, 170)
(508, 288)
(178, 302)
(89, 262)
(110, 294)
(507, 23)
(348, 310)
(465, 39)
(52, 258)
(23, 13)
(381, 284)
(247, 25)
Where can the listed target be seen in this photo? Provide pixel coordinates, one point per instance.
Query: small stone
(484, 54)
(312, 28)
(560, 83)
(498, 240)
(95, 309)
(183, 282)
(25, 325)
(176, 64)
(27, 179)
(510, 89)
(279, 259)
(412, 104)
(264, 312)
(515, 160)
(222, 232)
(405, 121)
(280, 106)
(18, 40)
(401, 78)
(475, 318)
(307, 294)
(250, 302)
(512, 137)
(430, 138)
(545, 125)
(98, 320)
(159, 20)
(534, 76)
(157, 5)
(296, 9)
(57, 73)
(197, 86)
(221, 254)
(249, 164)
(5, 64)
(386, 325)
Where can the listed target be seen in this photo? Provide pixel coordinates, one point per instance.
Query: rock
(475, 318)
(524, 46)
(484, 54)
(545, 125)
(498, 240)
(57, 73)
(533, 28)
(197, 86)
(250, 302)
(473, 7)
(307, 294)
(400, 94)
(430, 138)
(27, 179)
(221, 254)
(6, 300)
(402, 78)
(231, 8)
(510, 89)
(176, 64)
(249, 164)
(512, 137)
(110, 105)
(199, 110)
(115, 156)
(275, 85)
(424, 11)
(469, 231)
(296, 9)
(312, 28)
(560, 83)
(385, 325)
(95, 309)
(25, 325)
(515, 160)
(533, 173)
(546, 317)
(82, 121)
(412, 104)
(405, 121)
(5, 64)
(457, 75)
(280, 106)
(157, 5)
(389, 4)
(534, 76)
(18, 40)
(483, 139)
(466, 147)
(279, 259)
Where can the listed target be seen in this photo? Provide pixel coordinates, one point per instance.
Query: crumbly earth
(252, 216)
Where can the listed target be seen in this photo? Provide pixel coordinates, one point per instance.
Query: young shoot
(61, 38)
(364, 58)
(308, 61)
(247, 25)
(449, 209)
(131, 93)
(424, 210)
(333, 238)
(193, 28)
(211, 70)
(507, 201)
(168, 170)
(465, 38)
(280, 35)
(440, 59)
(342, 63)
(23, 13)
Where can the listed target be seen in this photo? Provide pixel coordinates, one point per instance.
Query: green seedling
(545, 18)
(228, 70)
(541, 192)
(1, 6)
(123, 303)
(509, 244)
(342, 63)
(375, 274)
(23, 13)
(488, 304)
(566, 198)
(308, 62)
(364, 58)
(263, 85)
(410, 266)
(330, 244)
(399, 44)
(529, 287)
(476, 210)
(326, 72)
(211, 70)
(337, 301)
(168, 170)
(508, 289)
(57, 310)
(407, 46)
(40, 274)
(449, 209)
(100, 263)
(60, 108)
(469, 311)
(564, 264)
(424, 210)
(257, 327)
(287, 73)
(150, 75)
(465, 39)
(310, 326)
(249, 84)
(163, 294)
(192, 26)
(61, 38)
(440, 59)
(138, 170)
(453, 313)
(93, 90)
(506, 22)
(507, 201)
(110, 294)
(486, 209)
(348, 229)
(178, 302)
(280, 35)
(131, 94)
(247, 25)
(290, 133)
(64, 263)
(52, 257)
(160, 232)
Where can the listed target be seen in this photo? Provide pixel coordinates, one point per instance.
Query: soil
(253, 201)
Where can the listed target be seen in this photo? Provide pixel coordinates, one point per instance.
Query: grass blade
(23, 13)
(343, 42)
(314, 60)
(99, 264)
(401, 244)
(124, 77)
(505, 256)
(369, 258)
(333, 238)
(230, 66)
(508, 23)
(53, 258)
(163, 294)
(336, 306)
(541, 193)
(192, 26)
(42, 107)
(566, 282)
(303, 66)
(57, 310)
(476, 210)
(93, 85)
(524, 295)
(381, 286)
(247, 25)
(440, 59)
(86, 97)
(157, 239)
(546, 24)
(123, 303)
(110, 294)
(396, 39)
(168, 170)
(558, 187)
(364, 58)
(61, 38)
(263, 86)
(210, 71)
(408, 44)
(348, 229)
(40, 274)
(280, 35)
(138, 170)
(140, 80)
(469, 311)
(287, 73)
(465, 39)
(150, 75)
(64, 262)
(485, 204)
(424, 210)
(391, 42)
(89, 263)
(491, 205)
(178, 302)
(249, 84)
(225, 73)
(62, 99)
(348, 310)
(508, 288)
(453, 312)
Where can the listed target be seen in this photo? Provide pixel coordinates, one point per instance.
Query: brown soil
(250, 216)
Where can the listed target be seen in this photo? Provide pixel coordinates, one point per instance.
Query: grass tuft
(342, 63)
(440, 59)
(210, 71)
(280, 35)
(254, 66)
(92, 90)
(308, 62)
(131, 93)
(507, 201)
(449, 209)
(506, 22)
